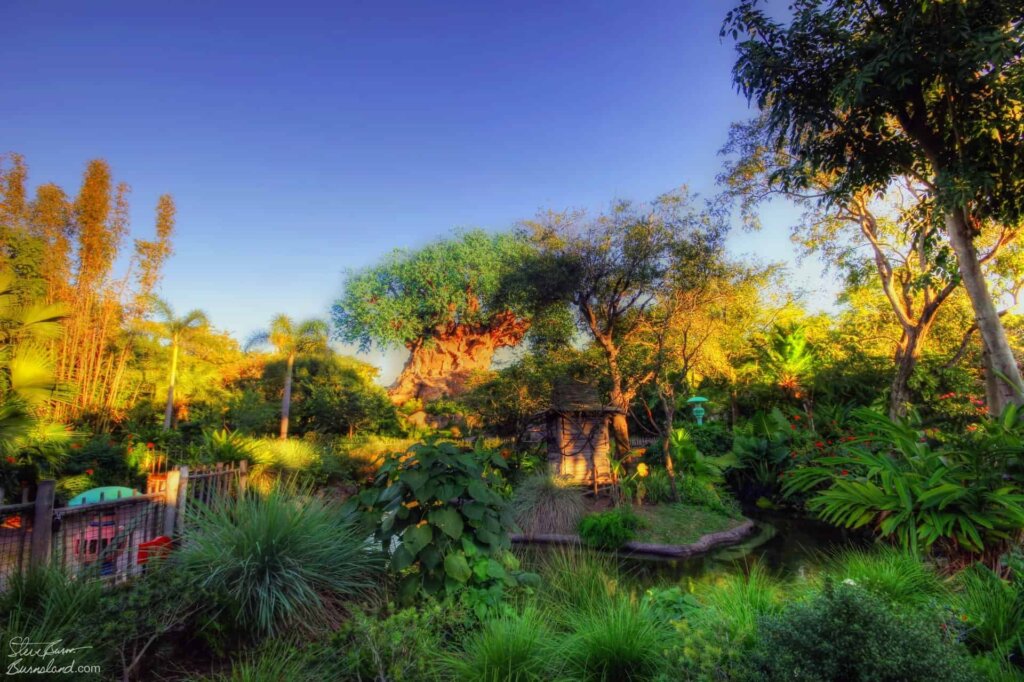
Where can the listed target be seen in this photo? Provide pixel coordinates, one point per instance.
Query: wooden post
(243, 476)
(42, 524)
(171, 501)
(182, 497)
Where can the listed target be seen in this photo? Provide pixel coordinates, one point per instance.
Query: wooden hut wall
(575, 442)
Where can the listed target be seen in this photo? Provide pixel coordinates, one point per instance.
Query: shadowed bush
(276, 561)
(848, 634)
(545, 504)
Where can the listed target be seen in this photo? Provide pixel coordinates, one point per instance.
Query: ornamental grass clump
(277, 561)
(516, 646)
(889, 572)
(617, 639)
(545, 504)
(992, 611)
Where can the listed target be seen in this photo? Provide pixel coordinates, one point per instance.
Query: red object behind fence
(155, 548)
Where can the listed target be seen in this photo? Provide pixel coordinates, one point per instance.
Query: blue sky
(300, 139)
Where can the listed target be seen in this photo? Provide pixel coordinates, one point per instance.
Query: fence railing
(105, 536)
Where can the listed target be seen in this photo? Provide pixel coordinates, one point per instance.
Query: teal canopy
(697, 399)
(104, 494)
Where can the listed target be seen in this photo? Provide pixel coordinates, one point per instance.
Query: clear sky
(301, 138)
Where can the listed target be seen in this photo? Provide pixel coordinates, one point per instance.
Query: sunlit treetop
(871, 90)
(464, 281)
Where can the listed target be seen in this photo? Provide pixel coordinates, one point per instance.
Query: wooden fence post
(171, 501)
(243, 476)
(182, 497)
(42, 524)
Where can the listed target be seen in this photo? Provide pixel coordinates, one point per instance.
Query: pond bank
(705, 543)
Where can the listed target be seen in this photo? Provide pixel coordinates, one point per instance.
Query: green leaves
(456, 567)
(453, 526)
(449, 521)
(918, 494)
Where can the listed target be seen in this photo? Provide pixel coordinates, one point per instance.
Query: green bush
(226, 446)
(609, 530)
(712, 438)
(619, 639)
(703, 493)
(716, 634)
(435, 508)
(515, 646)
(399, 645)
(847, 634)
(545, 504)
(274, 562)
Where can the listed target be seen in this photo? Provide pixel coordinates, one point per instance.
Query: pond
(788, 546)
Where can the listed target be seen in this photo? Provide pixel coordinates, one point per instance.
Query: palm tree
(177, 330)
(289, 340)
(27, 381)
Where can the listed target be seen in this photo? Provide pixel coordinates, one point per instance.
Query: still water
(788, 546)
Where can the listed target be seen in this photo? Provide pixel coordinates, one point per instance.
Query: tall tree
(290, 340)
(614, 268)
(177, 331)
(871, 90)
(448, 303)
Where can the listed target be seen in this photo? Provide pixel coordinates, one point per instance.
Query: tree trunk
(989, 325)
(620, 425)
(169, 409)
(442, 365)
(907, 355)
(286, 399)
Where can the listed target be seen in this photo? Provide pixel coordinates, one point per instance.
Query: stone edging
(704, 544)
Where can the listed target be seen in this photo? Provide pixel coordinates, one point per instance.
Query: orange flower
(641, 470)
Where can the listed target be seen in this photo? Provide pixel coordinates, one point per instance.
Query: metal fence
(103, 538)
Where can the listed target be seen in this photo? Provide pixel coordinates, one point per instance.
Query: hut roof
(577, 396)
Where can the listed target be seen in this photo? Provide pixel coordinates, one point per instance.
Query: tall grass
(545, 504)
(993, 610)
(277, 561)
(515, 647)
(618, 638)
(47, 601)
(574, 580)
(275, 663)
(895, 575)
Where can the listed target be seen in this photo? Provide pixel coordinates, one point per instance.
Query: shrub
(277, 561)
(717, 633)
(895, 575)
(609, 530)
(226, 446)
(703, 493)
(436, 510)
(402, 645)
(849, 634)
(920, 494)
(620, 639)
(512, 647)
(547, 504)
(712, 438)
(992, 610)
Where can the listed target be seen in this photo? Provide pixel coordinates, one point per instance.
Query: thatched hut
(578, 435)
